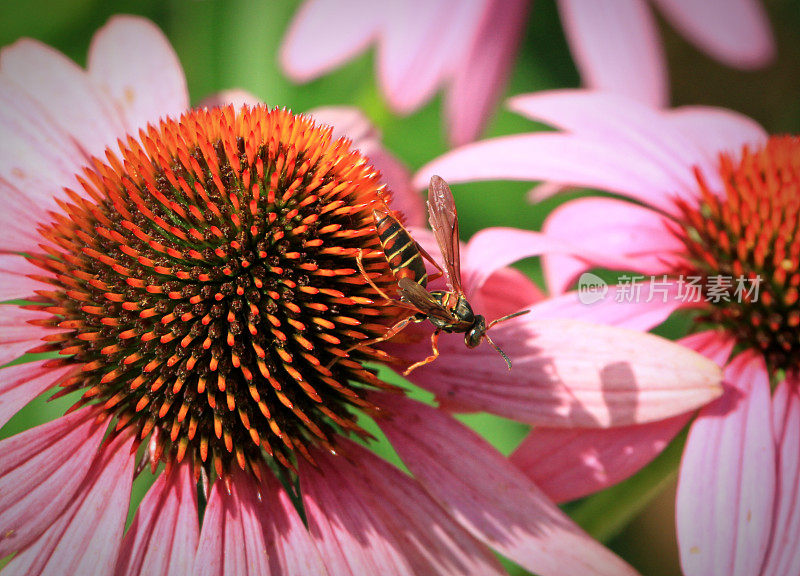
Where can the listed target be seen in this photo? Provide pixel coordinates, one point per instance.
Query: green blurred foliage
(234, 44)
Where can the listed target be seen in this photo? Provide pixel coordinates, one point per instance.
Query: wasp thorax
(206, 275)
(744, 245)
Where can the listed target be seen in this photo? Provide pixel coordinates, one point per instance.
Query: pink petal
(614, 308)
(324, 34)
(86, 538)
(481, 78)
(478, 487)
(351, 123)
(569, 373)
(162, 538)
(735, 32)
(784, 554)
(367, 517)
(132, 61)
(716, 130)
(40, 472)
(290, 549)
(726, 486)
(609, 228)
(616, 47)
(422, 43)
(571, 463)
(565, 159)
(504, 292)
(236, 97)
(14, 282)
(16, 335)
(231, 541)
(65, 91)
(492, 249)
(21, 383)
(623, 124)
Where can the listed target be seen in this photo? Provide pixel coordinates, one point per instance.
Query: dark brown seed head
(206, 276)
(752, 231)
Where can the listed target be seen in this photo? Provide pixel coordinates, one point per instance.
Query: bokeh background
(234, 44)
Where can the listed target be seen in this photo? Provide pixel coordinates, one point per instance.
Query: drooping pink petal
(623, 124)
(489, 497)
(86, 538)
(612, 229)
(231, 541)
(40, 472)
(16, 335)
(324, 34)
(481, 76)
(783, 556)
(623, 305)
(162, 539)
(367, 517)
(735, 32)
(416, 52)
(349, 122)
(726, 485)
(71, 101)
(568, 373)
(14, 282)
(716, 345)
(616, 47)
(21, 383)
(134, 63)
(570, 463)
(290, 549)
(562, 158)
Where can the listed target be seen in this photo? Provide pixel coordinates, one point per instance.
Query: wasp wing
(444, 222)
(422, 300)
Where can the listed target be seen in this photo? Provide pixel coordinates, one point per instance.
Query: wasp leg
(429, 359)
(439, 272)
(390, 333)
(360, 263)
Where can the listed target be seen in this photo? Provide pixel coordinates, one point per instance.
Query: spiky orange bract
(208, 275)
(753, 231)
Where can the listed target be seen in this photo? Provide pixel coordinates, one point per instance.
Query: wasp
(447, 310)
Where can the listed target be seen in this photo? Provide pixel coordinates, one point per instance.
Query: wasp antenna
(507, 317)
(496, 347)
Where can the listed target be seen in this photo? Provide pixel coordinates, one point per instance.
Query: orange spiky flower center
(206, 277)
(745, 245)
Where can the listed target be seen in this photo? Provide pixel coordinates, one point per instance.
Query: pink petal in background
(162, 539)
(489, 497)
(41, 471)
(86, 538)
(145, 88)
(726, 485)
(783, 556)
(616, 46)
(359, 515)
(21, 383)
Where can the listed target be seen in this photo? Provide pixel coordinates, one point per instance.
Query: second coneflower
(195, 281)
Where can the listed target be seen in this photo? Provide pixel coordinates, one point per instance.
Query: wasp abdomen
(401, 250)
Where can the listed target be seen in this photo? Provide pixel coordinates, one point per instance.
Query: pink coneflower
(196, 275)
(469, 47)
(720, 212)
